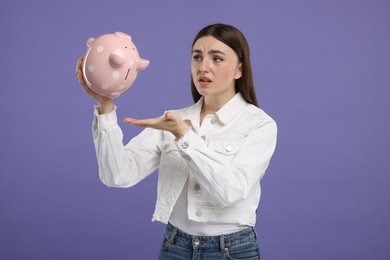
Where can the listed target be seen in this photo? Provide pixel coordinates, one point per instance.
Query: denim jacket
(223, 160)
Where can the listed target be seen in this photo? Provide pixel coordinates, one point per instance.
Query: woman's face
(214, 68)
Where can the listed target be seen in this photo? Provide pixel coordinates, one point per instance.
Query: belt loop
(222, 243)
(173, 235)
(254, 232)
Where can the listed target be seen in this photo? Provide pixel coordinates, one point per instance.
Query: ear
(122, 35)
(90, 41)
(239, 72)
(141, 64)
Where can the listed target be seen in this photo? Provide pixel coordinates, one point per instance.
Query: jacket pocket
(225, 146)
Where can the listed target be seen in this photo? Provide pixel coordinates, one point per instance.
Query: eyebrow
(210, 52)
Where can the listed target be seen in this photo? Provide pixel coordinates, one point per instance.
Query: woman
(211, 155)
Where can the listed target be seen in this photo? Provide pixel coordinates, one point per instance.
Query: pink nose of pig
(116, 60)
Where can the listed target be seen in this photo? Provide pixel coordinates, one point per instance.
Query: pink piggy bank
(111, 64)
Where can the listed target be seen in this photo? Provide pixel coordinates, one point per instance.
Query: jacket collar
(224, 115)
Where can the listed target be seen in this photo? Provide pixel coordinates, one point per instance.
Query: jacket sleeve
(230, 181)
(119, 165)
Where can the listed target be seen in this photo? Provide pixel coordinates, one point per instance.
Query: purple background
(321, 69)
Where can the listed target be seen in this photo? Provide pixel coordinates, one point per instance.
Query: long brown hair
(233, 38)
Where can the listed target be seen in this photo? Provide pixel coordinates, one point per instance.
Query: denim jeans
(178, 245)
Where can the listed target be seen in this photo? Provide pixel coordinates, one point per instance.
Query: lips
(204, 79)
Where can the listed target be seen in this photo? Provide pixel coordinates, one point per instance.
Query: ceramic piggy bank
(111, 64)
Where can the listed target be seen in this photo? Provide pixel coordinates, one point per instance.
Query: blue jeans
(178, 245)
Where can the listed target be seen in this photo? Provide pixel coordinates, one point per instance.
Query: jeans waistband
(175, 235)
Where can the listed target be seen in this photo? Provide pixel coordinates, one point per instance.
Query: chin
(203, 92)
(203, 88)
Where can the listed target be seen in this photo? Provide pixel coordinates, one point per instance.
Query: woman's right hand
(106, 104)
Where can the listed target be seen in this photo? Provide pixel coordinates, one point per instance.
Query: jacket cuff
(107, 120)
(189, 141)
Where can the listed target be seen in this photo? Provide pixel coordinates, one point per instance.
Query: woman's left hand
(170, 122)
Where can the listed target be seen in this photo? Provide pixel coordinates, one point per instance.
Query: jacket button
(199, 213)
(203, 137)
(229, 148)
(165, 146)
(197, 187)
(213, 121)
(184, 145)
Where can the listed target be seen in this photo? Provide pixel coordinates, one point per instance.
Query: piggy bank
(111, 64)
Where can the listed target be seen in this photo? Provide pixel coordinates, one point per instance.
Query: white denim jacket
(224, 160)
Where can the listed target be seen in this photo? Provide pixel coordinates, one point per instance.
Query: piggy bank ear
(123, 35)
(90, 41)
(141, 64)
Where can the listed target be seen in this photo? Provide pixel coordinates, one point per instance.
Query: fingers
(129, 120)
(180, 126)
(170, 122)
(79, 72)
(104, 102)
(79, 64)
(157, 123)
(169, 118)
(172, 116)
(80, 77)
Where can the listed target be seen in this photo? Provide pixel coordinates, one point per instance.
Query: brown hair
(233, 38)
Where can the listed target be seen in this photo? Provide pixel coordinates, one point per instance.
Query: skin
(214, 69)
(106, 104)
(170, 122)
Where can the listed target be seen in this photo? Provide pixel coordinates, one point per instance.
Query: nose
(116, 60)
(204, 66)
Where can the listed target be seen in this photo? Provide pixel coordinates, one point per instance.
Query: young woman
(211, 156)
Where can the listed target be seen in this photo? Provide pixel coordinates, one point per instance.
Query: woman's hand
(170, 122)
(106, 104)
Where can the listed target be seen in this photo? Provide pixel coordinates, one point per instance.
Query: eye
(197, 57)
(217, 59)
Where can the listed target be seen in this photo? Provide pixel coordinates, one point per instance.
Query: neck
(211, 104)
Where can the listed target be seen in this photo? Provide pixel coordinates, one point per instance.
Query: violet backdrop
(321, 69)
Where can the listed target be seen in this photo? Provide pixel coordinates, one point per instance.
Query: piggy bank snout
(116, 60)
